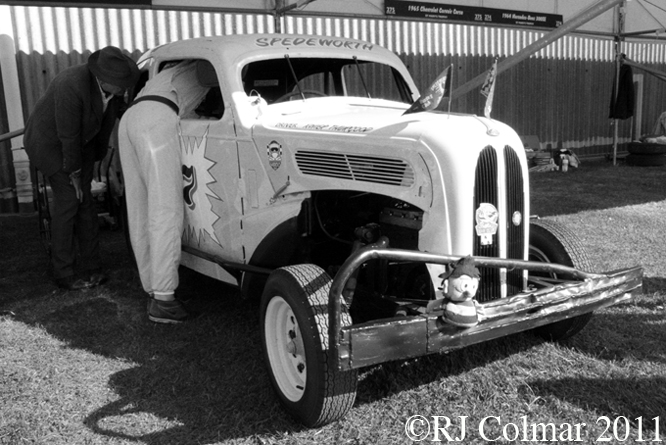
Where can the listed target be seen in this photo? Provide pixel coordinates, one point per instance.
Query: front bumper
(396, 338)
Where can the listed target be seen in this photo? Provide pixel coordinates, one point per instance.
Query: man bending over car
(150, 154)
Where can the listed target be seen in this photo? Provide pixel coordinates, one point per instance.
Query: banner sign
(490, 16)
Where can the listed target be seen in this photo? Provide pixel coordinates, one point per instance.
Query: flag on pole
(488, 89)
(433, 96)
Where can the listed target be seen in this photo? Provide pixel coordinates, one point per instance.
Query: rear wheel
(551, 242)
(294, 323)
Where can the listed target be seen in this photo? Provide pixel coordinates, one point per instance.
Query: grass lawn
(88, 367)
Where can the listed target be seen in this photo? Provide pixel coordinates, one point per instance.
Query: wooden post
(22, 179)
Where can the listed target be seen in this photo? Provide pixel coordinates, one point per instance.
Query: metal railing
(20, 193)
(11, 134)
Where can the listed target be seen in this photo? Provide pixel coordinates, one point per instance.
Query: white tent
(646, 18)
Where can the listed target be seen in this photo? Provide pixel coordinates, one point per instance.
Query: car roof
(238, 48)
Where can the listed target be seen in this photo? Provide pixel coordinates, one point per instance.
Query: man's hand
(75, 178)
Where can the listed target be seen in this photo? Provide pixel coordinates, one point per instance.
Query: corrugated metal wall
(561, 94)
(51, 39)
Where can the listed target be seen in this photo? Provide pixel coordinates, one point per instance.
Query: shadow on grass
(652, 285)
(628, 333)
(633, 331)
(206, 378)
(611, 397)
(200, 382)
(210, 380)
(206, 381)
(388, 379)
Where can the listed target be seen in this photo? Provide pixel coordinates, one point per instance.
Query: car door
(210, 174)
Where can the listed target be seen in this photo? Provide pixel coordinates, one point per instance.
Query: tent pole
(616, 87)
(661, 75)
(575, 22)
(281, 8)
(618, 64)
(277, 17)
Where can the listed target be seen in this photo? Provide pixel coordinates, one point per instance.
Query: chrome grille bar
(485, 191)
(515, 204)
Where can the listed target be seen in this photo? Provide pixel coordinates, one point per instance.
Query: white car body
(345, 190)
(245, 194)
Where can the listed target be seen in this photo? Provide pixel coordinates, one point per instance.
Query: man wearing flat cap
(67, 132)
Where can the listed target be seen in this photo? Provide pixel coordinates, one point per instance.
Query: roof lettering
(312, 41)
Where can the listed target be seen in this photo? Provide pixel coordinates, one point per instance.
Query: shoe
(166, 311)
(73, 283)
(96, 277)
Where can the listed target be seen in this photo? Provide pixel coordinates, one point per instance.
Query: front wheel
(551, 242)
(294, 324)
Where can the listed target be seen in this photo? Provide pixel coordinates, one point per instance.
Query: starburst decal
(199, 214)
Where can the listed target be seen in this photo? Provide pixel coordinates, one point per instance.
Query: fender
(282, 246)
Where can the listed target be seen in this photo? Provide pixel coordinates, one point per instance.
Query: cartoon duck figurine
(459, 285)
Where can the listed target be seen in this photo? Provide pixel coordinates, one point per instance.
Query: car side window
(212, 105)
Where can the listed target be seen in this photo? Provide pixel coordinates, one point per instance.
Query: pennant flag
(488, 89)
(432, 97)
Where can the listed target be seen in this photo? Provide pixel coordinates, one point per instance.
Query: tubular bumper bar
(396, 338)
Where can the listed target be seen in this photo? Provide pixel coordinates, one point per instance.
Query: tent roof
(642, 17)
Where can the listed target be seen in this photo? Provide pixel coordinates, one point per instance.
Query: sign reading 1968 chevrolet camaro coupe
(307, 185)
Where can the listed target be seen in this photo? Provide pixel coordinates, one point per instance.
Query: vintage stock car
(307, 185)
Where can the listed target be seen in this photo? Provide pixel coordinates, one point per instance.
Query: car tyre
(294, 330)
(646, 160)
(644, 148)
(551, 242)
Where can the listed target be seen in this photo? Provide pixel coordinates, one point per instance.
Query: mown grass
(88, 368)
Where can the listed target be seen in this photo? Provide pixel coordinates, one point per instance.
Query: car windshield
(280, 80)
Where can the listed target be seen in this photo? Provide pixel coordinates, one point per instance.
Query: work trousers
(151, 161)
(73, 222)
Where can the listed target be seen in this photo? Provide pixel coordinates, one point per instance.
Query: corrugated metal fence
(561, 94)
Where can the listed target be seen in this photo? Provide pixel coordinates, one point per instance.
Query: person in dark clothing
(67, 132)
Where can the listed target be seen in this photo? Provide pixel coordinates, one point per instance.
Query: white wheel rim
(284, 345)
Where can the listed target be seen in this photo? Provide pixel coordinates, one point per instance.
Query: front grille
(515, 202)
(355, 167)
(487, 190)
